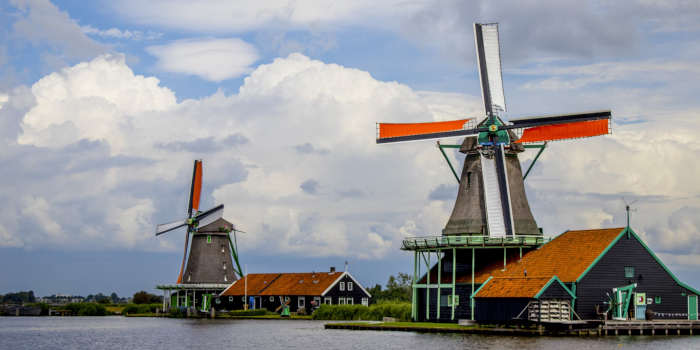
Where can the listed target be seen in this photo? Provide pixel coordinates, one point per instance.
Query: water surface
(34, 333)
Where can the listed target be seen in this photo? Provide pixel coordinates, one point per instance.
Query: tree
(19, 297)
(114, 297)
(143, 297)
(397, 289)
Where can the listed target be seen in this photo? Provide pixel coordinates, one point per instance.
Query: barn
(301, 291)
(580, 274)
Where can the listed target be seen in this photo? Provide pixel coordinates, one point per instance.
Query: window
(302, 302)
(449, 300)
(328, 300)
(365, 301)
(272, 299)
(349, 286)
(224, 266)
(243, 299)
(629, 271)
(341, 301)
(317, 301)
(230, 299)
(349, 301)
(443, 299)
(657, 299)
(286, 298)
(342, 286)
(208, 238)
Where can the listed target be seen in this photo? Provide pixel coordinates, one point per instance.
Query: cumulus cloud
(209, 59)
(274, 128)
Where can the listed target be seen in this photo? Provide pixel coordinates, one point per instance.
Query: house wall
(650, 276)
(497, 309)
(462, 310)
(555, 291)
(356, 294)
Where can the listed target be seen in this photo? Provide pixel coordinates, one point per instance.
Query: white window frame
(328, 300)
(272, 299)
(342, 286)
(365, 301)
(318, 301)
(349, 286)
(350, 301)
(301, 302)
(341, 301)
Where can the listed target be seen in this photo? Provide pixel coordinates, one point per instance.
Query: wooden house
(584, 274)
(303, 292)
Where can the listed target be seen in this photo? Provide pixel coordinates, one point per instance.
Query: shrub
(87, 309)
(256, 312)
(141, 308)
(401, 311)
(43, 306)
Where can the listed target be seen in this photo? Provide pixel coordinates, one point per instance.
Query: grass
(400, 311)
(117, 310)
(431, 325)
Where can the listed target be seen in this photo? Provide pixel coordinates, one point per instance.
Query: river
(115, 332)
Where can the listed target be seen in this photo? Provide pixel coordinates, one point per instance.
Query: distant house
(301, 291)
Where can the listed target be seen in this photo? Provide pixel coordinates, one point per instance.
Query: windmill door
(692, 307)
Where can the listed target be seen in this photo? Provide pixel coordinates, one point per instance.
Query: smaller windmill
(210, 257)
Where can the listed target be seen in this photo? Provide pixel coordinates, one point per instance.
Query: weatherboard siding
(555, 291)
(650, 276)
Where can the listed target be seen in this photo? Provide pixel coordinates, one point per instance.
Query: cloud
(309, 186)
(226, 16)
(116, 33)
(41, 22)
(204, 145)
(209, 59)
(308, 148)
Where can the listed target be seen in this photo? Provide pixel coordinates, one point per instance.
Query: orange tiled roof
(567, 256)
(309, 283)
(256, 283)
(512, 287)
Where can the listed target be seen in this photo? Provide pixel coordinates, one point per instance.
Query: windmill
(210, 257)
(491, 199)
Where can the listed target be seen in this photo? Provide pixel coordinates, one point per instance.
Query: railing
(417, 243)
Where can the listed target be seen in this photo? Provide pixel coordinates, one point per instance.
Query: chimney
(332, 268)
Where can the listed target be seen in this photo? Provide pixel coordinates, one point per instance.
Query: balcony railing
(433, 242)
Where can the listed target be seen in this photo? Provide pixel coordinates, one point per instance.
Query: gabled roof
(567, 256)
(308, 283)
(517, 287)
(220, 225)
(256, 283)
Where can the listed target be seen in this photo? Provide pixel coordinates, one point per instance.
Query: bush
(401, 311)
(256, 312)
(87, 309)
(141, 308)
(43, 306)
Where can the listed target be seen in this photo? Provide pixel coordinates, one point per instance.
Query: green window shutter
(208, 238)
(657, 299)
(629, 271)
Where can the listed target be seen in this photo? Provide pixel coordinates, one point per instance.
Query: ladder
(492, 196)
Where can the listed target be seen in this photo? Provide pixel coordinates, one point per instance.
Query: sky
(104, 105)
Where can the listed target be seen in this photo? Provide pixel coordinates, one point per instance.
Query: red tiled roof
(512, 287)
(256, 283)
(567, 256)
(302, 283)
(307, 283)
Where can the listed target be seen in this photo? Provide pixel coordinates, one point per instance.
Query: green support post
(541, 147)
(454, 283)
(471, 300)
(573, 301)
(521, 252)
(448, 159)
(427, 288)
(414, 297)
(504, 258)
(437, 251)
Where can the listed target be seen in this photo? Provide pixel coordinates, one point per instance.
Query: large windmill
(208, 265)
(491, 199)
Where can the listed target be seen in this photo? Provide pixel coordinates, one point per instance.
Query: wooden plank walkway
(656, 327)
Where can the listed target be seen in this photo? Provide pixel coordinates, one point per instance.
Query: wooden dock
(656, 327)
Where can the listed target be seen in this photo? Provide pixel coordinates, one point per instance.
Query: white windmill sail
(488, 54)
(492, 196)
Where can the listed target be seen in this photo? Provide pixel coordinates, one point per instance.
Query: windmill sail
(396, 132)
(488, 54)
(496, 194)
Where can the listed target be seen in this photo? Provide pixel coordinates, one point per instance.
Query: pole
(448, 161)
(454, 274)
(471, 299)
(427, 288)
(439, 281)
(245, 284)
(414, 301)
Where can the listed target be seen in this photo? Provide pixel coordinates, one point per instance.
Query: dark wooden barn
(594, 273)
(303, 292)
